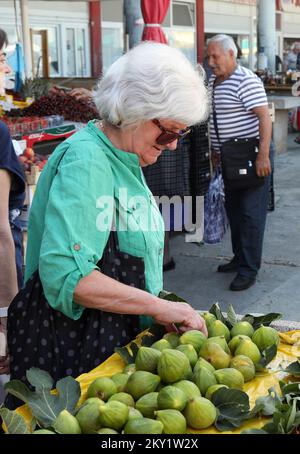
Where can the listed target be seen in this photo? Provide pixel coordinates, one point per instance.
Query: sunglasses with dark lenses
(168, 136)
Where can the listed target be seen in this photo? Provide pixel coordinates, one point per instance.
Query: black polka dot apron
(39, 336)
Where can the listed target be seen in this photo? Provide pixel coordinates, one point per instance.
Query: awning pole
(26, 38)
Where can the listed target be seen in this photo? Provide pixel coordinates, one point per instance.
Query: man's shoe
(228, 267)
(241, 283)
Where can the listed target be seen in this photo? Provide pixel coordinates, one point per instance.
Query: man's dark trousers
(247, 211)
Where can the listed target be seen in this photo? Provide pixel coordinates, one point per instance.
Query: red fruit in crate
(29, 153)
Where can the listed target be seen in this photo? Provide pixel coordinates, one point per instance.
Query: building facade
(63, 27)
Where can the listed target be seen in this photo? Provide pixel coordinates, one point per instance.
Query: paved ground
(278, 284)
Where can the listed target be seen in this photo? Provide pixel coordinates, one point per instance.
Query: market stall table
(283, 104)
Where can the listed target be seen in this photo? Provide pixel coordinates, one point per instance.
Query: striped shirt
(234, 100)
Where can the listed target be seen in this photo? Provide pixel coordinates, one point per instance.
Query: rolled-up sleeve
(72, 242)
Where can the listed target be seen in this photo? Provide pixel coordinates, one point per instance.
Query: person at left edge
(12, 194)
(146, 100)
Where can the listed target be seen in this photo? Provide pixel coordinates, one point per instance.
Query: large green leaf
(231, 316)
(266, 357)
(266, 319)
(39, 379)
(44, 405)
(233, 408)
(294, 368)
(290, 388)
(19, 390)
(169, 296)
(216, 311)
(265, 405)
(15, 423)
(69, 392)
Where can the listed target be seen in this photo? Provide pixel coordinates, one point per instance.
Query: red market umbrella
(154, 13)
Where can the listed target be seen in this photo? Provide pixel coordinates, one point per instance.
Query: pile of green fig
(169, 387)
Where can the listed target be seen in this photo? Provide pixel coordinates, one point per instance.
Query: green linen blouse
(72, 211)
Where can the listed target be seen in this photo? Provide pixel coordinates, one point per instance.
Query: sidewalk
(278, 283)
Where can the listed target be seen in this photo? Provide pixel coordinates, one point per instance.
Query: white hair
(225, 41)
(150, 81)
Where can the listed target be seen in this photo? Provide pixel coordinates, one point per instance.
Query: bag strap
(215, 114)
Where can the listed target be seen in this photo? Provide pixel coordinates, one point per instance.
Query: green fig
(209, 318)
(215, 355)
(102, 387)
(125, 398)
(113, 415)
(173, 366)
(173, 421)
(220, 340)
(134, 413)
(171, 397)
(43, 432)
(200, 413)
(189, 388)
(235, 342)
(147, 359)
(147, 404)
(244, 328)
(248, 348)
(218, 328)
(141, 382)
(120, 381)
(144, 426)
(88, 417)
(265, 337)
(245, 365)
(204, 378)
(193, 337)
(107, 430)
(65, 423)
(161, 345)
(203, 363)
(230, 377)
(172, 338)
(190, 352)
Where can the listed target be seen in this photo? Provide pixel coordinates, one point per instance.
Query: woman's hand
(82, 94)
(181, 314)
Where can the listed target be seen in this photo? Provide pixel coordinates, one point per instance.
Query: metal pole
(200, 38)
(26, 38)
(134, 21)
(96, 37)
(266, 30)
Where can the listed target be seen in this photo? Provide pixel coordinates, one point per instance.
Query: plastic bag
(215, 218)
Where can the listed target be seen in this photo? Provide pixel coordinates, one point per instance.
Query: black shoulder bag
(238, 158)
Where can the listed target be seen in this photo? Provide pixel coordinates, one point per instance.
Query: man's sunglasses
(168, 136)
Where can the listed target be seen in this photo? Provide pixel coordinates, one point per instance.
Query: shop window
(112, 45)
(76, 52)
(81, 55)
(183, 14)
(183, 40)
(71, 53)
(54, 66)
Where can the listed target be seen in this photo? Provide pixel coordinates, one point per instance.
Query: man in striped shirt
(241, 107)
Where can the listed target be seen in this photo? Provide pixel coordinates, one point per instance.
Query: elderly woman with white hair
(95, 236)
